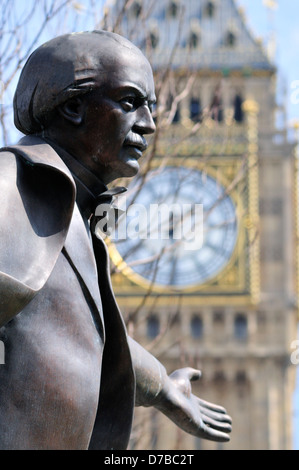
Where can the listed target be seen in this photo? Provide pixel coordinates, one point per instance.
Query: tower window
(193, 40)
(210, 9)
(218, 317)
(230, 39)
(136, 8)
(195, 110)
(238, 110)
(177, 115)
(241, 327)
(153, 326)
(216, 109)
(219, 377)
(154, 39)
(173, 9)
(241, 377)
(196, 327)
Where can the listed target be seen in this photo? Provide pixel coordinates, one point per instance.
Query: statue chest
(50, 383)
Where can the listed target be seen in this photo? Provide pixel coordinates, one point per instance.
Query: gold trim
(129, 301)
(206, 138)
(252, 109)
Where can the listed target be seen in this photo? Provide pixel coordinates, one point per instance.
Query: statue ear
(72, 110)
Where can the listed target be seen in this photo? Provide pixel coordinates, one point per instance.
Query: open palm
(192, 414)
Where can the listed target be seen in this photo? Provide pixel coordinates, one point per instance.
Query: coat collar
(73, 235)
(36, 151)
(77, 242)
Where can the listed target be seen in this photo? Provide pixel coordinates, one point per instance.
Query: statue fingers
(211, 406)
(218, 416)
(218, 425)
(210, 433)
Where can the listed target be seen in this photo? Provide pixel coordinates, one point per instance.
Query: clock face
(180, 228)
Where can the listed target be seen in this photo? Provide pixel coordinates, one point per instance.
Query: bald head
(65, 67)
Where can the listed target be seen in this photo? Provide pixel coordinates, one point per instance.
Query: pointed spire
(209, 34)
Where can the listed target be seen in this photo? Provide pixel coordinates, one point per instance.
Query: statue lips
(136, 145)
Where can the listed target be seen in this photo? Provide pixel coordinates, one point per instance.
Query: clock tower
(206, 273)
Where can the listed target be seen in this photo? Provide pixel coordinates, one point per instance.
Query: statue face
(118, 115)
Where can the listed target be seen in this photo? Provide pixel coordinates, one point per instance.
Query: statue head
(91, 93)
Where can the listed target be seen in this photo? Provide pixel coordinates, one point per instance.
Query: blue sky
(284, 23)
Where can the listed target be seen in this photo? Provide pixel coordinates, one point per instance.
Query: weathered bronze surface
(71, 374)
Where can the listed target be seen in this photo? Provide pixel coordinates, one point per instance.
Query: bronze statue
(71, 375)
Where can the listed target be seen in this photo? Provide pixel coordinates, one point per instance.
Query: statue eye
(128, 103)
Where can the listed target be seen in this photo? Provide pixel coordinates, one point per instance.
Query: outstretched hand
(192, 414)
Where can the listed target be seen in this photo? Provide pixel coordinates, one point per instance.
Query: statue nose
(145, 123)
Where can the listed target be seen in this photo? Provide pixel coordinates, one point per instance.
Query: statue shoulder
(36, 206)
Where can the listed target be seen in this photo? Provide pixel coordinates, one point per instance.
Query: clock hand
(172, 225)
(173, 271)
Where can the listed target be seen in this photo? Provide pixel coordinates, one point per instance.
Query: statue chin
(126, 166)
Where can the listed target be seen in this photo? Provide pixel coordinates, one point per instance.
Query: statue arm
(172, 395)
(150, 374)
